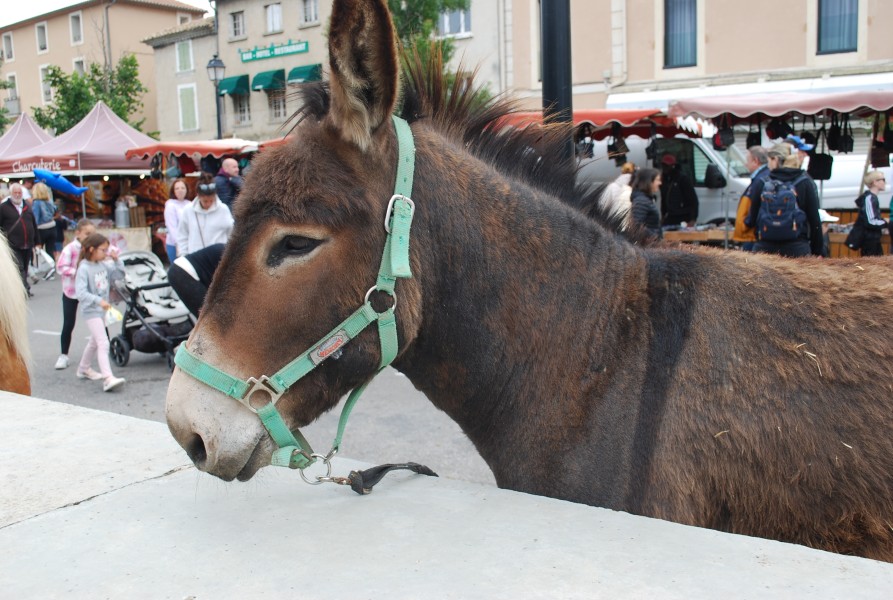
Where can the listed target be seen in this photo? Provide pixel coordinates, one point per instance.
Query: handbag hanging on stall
(820, 163)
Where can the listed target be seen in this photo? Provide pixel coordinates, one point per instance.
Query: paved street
(392, 422)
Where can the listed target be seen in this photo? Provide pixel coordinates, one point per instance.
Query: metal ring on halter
(319, 479)
(262, 384)
(387, 214)
(393, 296)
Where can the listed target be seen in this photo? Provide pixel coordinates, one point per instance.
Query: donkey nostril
(195, 449)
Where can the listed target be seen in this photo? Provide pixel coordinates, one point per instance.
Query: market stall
(825, 121)
(603, 123)
(24, 135)
(174, 159)
(93, 150)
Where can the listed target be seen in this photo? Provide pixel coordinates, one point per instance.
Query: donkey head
(309, 234)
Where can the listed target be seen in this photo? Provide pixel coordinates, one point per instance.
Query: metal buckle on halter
(387, 214)
(260, 385)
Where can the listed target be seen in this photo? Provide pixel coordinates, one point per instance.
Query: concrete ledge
(146, 527)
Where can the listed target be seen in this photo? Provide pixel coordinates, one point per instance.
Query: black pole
(556, 45)
(217, 101)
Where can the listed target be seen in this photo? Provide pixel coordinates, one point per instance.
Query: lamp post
(216, 69)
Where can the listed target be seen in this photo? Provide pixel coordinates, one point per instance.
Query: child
(92, 289)
(67, 266)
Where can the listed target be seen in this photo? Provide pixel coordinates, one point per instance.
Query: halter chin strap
(294, 450)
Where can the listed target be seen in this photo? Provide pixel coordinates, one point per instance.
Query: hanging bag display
(820, 163)
(754, 138)
(846, 136)
(833, 137)
(725, 135)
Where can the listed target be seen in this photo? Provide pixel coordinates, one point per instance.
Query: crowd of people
(197, 230)
(779, 212)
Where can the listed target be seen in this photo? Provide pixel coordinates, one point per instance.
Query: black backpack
(780, 218)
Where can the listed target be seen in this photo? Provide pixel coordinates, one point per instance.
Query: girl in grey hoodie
(92, 290)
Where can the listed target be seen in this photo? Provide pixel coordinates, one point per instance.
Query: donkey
(14, 351)
(745, 393)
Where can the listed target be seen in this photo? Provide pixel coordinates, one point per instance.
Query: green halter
(294, 450)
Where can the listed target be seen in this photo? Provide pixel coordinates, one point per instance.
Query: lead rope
(294, 450)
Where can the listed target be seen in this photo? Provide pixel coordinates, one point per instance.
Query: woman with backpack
(786, 214)
(869, 218)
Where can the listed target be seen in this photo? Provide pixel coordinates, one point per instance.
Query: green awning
(234, 86)
(305, 73)
(269, 80)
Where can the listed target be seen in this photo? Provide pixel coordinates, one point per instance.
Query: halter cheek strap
(294, 450)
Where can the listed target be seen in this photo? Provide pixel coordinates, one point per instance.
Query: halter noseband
(294, 450)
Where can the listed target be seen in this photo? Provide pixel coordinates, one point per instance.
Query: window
(183, 18)
(241, 110)
(455, 22)
(8, 54)
(43, 44)
(188, 101)
(237, 24)
(838, 26)
(46, 90)
(77, 29)
(680, 31)
(274, 18)
(276, 101)
(12, 92)
(79, 66)
(310, 13)
(184, 56)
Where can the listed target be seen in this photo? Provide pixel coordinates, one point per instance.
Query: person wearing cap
(784, 166)
(870, 213)
(803, 149)
(826, 218)
(204, 221)
(756, 162)
(678, 200)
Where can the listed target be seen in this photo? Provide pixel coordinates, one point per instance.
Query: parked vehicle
(719, 177)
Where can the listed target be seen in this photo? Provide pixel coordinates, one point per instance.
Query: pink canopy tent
(95, 146)
(741, 108)
(24, 135)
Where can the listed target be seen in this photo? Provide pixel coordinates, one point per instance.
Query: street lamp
(216, 69)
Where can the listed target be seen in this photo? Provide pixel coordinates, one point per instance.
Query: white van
(720, 177)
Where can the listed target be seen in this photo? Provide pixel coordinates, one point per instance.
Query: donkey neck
(515, 287)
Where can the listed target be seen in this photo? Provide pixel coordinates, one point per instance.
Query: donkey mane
(466, 114)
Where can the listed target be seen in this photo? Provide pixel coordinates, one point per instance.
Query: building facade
(267, 47)
(84, 33)
(625, 53)
(645, 53)
(186, 96)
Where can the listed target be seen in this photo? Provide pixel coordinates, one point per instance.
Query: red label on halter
(329, 347)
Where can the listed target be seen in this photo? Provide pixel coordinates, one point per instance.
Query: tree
(5, 121)
(76, 94)
(416, 21)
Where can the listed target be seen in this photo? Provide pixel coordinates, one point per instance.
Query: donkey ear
(365, 71)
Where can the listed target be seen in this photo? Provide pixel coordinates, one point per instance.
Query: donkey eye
(291, 246)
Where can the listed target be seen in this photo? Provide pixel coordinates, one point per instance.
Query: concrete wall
(98, 505)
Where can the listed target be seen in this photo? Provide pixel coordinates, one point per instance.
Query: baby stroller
(155, 319)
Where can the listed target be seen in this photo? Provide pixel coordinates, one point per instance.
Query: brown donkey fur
(746, 393)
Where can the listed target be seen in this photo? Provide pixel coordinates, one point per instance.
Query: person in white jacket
(204, 221)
